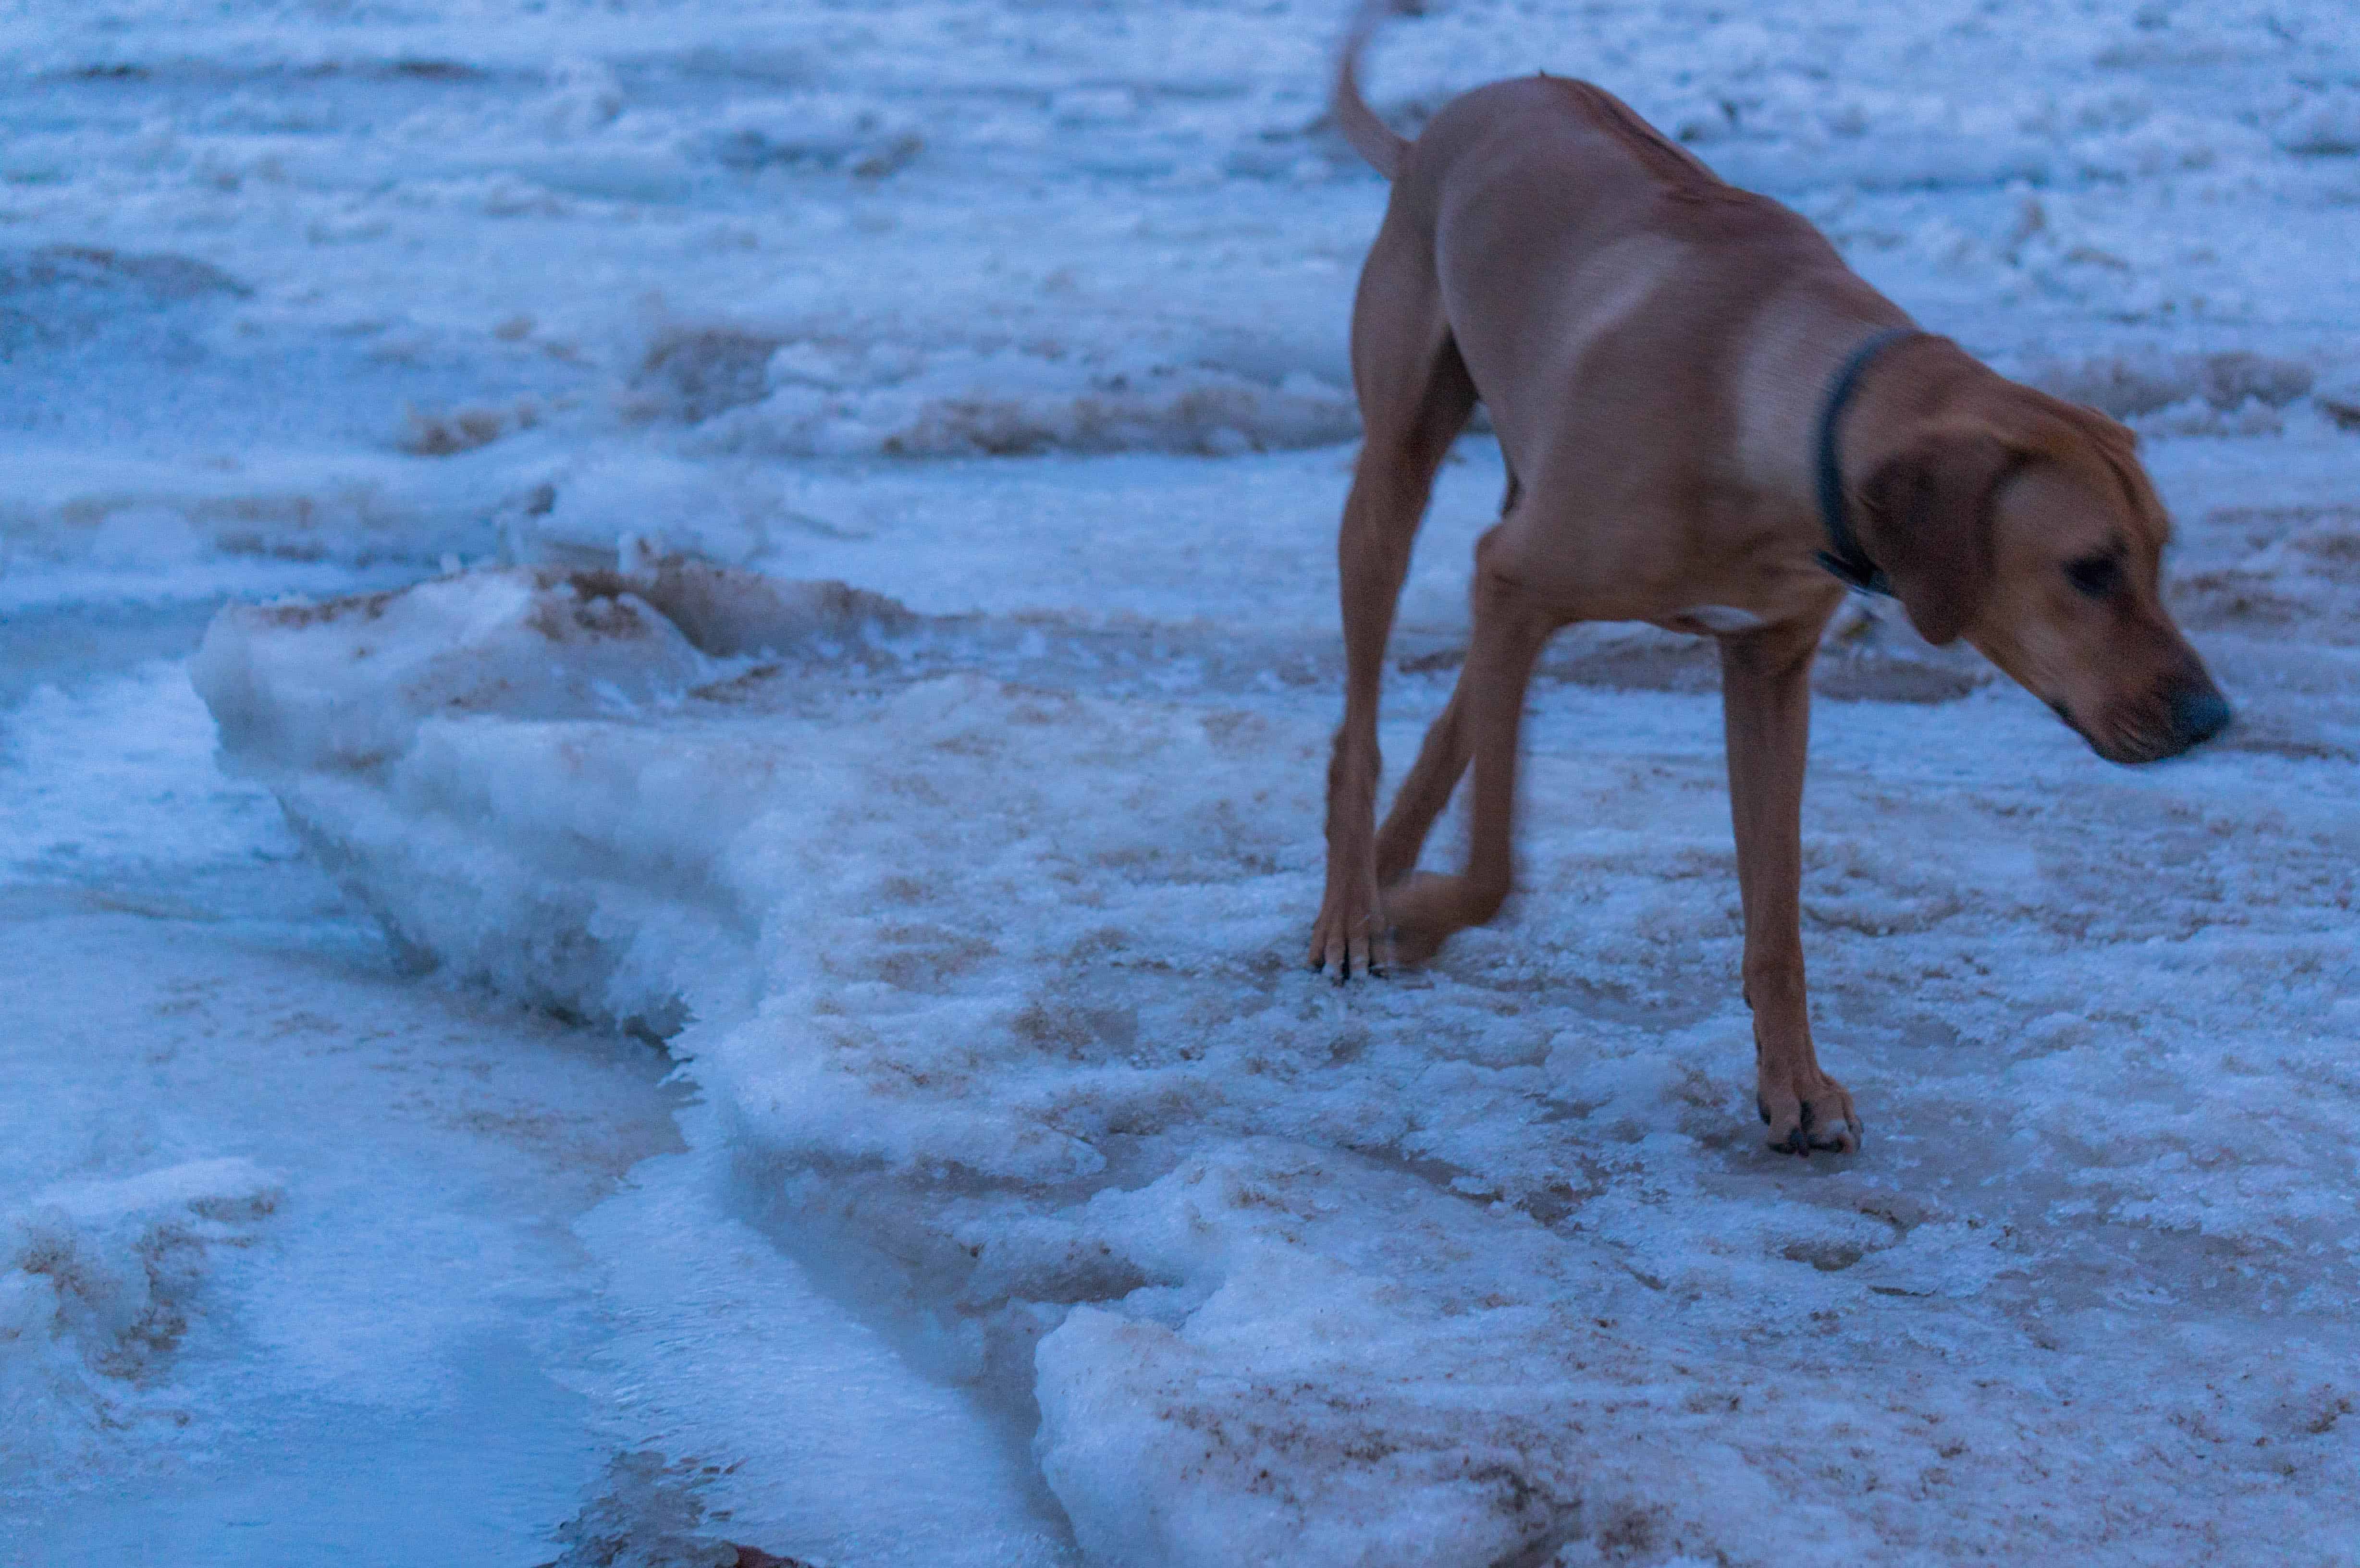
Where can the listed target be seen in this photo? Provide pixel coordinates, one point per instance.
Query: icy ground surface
(1018, 1199)
(289, 1260)
(284, 1238)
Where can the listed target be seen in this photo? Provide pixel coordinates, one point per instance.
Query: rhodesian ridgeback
(1711, 424)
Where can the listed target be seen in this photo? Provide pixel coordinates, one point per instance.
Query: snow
(994, 982)
(95, 1278)
(805, 534)
(229, 1276)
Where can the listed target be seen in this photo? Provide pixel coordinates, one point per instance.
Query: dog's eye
(2094, 576)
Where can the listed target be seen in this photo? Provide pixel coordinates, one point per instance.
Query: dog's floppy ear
(1925, 519)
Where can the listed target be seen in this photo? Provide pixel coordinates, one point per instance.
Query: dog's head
(2028, 526)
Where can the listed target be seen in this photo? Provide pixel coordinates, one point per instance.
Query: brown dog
(1709, 424)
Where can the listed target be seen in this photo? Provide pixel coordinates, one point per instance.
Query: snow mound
(55, 295)
(2129, 384)
(2318, 120)
(97, 1283)
(118, 527)
(346, 684)
(993, 990)
(812, 130)
(910, 392)
(2237, 392)
(366, 689)
(630, 508)
(2298, 577)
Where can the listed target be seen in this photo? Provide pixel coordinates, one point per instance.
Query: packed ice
(665, 673)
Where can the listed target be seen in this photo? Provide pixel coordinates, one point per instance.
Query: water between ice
(472, 1303)
(479, 1482)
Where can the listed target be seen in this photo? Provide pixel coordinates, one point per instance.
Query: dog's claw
(1818, 1120)
(1342, 944)
(1341, 968)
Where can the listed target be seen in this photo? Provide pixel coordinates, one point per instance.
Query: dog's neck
(1914, 384)
(1795, 350)
(1798, 353)
(1844, 557)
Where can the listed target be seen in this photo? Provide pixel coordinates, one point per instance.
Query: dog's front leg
(1766, 707)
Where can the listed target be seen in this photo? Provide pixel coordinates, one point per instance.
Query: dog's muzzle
(2198, 713)
(2162, 728)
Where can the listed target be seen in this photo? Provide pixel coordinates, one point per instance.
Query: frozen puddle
(823, 1441)
(301, 1260)
(992, 993)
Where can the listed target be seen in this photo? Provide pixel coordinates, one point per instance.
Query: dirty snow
(806, 534)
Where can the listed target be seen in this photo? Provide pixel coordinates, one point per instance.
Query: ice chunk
(346, 684)
(666, 504)
(97, 1281)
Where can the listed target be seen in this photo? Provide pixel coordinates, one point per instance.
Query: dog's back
(1573, 247)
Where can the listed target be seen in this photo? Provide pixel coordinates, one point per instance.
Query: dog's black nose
(2198, 713)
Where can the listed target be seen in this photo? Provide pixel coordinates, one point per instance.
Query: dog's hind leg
(1484, 724)
(1441, 763)
(1416, 398)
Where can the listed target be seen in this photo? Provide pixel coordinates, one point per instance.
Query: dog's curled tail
(1370, 136)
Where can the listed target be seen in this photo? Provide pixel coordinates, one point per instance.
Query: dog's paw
(1819, 1117)
(1421, 912)
(1343, 938)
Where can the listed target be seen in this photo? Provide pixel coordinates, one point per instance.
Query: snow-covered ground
(1000, 1191)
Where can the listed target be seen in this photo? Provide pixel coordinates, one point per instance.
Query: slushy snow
(792, 547)
(996, 981)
